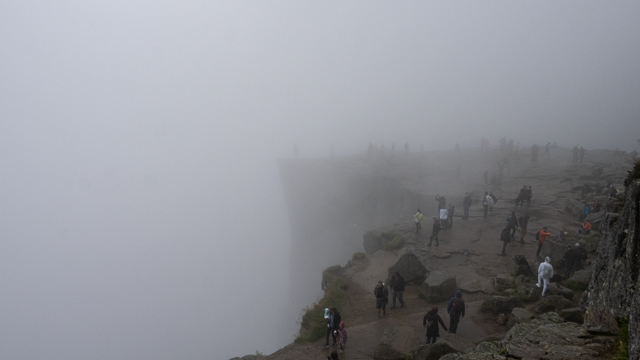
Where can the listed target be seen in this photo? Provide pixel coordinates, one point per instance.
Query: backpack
(457, 306)
(420, 217)
(538, 235)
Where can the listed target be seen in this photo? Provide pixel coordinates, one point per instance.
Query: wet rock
(552, 303)
(503, 281)
(554, 250)
(557, 289)
(505, 303)
(519, 315)
(502, 319)
(574, 314)
(570, 352)
(521, 279)
(520, 266)
(439, 286)
(432, 351)
(580, 279)
(409, 266)
(386, 352)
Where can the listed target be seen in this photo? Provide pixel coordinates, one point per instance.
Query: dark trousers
(513, 231)
(539, 248)
(504, 247)
(330, 332)
(450, 222)
(397, 294)
(433, 236)
(466, 212)
(568, 271)
(418, 227)
(431, 339)
(453, 323)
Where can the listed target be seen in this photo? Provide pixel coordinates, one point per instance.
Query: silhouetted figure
(431, 321)
(576, 154)
(397, 289)
(466, 204)
(505, 237)
(452, 208)
(417, 218)
(381, 294)
(434, 231)
(524, 222)
(528, 195)
(456, 309)
(487, 202)
(442, 202)
(522, 196)
(512, 223)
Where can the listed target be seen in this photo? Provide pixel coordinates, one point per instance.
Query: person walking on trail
(442, 202)
(524, 221)
(466, 204)
(528, 195)
(342, 337)
(487, 202)
(434, 231)
(417, 218)
(573, 259)
(541, 236)
(444, 218)
(332, 325)
(382, 298)
(505, 237)
(456, 310)
(397, 289)
(512, 223)
(545, 273)
(450, 212)
(430, 321)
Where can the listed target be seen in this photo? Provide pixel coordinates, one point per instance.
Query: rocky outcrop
(439, 286)
(614, 290)
(520, 266)
(409, 266)
(552, 303)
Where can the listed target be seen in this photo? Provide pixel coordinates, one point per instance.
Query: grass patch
(396, 242)
(313, 324)
(621, 350)
(488, 306)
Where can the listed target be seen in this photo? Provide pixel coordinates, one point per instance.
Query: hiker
(524, 221)
(333, 356)
(586, 210)
(596, 206)
(486, 177)
(434, 231)
(442, 202)
(455, 309)
(522, 195)
(417, 217)
(541, 236)
(582, 151)
(430, 321)
(397, 289)
(444, 216)
(613, 192)
(382, 297)
(332, 325)
(545, 273)
(576, 152)
(528, 195)
(466, 204)
(586, 227)
(573, 258)
(505, 237)
(546, 150)
(512, 223)
(342, 337)
(452, 208)
(487, 202)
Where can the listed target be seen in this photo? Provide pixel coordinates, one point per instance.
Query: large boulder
(409, 266)
(552, 303)
(554, 250)
(439, 286)
(573, 314)
(373, 241)
(503, 303)
(386, 352)
(580, 280)
(520, 266)
(557, 289)
(444, 345)
(519, 315)
(503, 282)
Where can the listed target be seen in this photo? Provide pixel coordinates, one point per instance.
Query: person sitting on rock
(434, 231)
(430, 321)
(586, 228)
(545, 273)
(586, 210)
(382, 298)
(456, 309)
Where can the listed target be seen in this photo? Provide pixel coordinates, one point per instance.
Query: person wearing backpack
(417, 217)
(332, 325)
(541, 236)
(397, 289)
(523, 221)
(382, 297)
(430, 321)
(456, 310)
(505, 237)
(545, 273)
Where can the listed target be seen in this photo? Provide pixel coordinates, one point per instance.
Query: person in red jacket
(586, 228)
(541, 236)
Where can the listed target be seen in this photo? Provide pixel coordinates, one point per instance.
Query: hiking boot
(538, 285)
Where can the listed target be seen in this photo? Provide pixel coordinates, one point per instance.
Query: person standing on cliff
(417, 218)
(545, 273)
(382, 298)
(397, 289)
(442, 202)
(487, 202)
(456, 309)
(541, 236)
(430, 321)
(434, 231)
(450, 212)
(332, 325)
(505, 237)
(466, 204)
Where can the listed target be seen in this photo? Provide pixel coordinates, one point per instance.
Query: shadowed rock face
(613, 291)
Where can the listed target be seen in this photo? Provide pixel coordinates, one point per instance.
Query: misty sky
(141, 213)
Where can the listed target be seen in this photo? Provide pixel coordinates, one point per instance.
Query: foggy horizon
(142, 212)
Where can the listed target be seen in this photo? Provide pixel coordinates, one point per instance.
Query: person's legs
(431, 239)
(544, 289)
(417, 227)
(539, 248)
(437, 244)
(429, 339)
(400, 295)
(333, 335)
(539, 280)
(384, 308)
(523, 232)
(378, 307)
(504, 247)
(453, 323)
(393, 297)
(329, 331)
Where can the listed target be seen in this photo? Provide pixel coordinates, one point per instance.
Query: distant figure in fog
(528, 195)
(576, 154)
(444, 219)
(397, 289)
(545, 273)
(524, 222)
(466, 204)
(534, 152)
(456, 309)
(452, 208)
(582, 151)
(434, 231)
(505, 237)
(487, 202)
(381, 294)
(417, 218)
(442, 202)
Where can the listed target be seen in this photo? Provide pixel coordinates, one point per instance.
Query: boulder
(433, 351)
(528, 293)
(519, 315)
(520, 266)
(554, 250)
(572, 314)
(409, 266)
(373, 241)
(557, 289)
(503, 282)
(552, 303)
(386, 352)
(580, 280)
(439, 286)
(505, 303)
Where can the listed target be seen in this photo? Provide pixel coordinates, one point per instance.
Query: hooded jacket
(433, 330)
(450, 309)
(397, 282)
(545, 269)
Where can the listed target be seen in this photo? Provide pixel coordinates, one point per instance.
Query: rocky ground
(469, 253)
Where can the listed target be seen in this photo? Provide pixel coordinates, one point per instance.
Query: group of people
(524, 195)
(335, 329)
(578, 154)
(432, 321)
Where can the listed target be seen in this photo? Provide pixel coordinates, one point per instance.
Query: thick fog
(141, 210)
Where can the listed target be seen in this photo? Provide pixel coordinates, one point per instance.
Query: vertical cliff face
(614, 289)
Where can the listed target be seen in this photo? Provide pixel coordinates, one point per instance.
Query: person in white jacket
(444, 215)
(545, 273)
